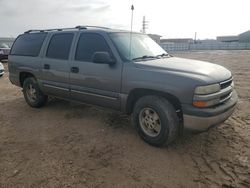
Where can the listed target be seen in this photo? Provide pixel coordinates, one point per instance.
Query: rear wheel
(155, 120)
(32, 93)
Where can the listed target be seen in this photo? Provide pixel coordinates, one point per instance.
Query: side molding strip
(55, 87)
(93, 94)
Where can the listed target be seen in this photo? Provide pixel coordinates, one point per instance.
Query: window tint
(28, 44)
(59, 46)
(88, 44)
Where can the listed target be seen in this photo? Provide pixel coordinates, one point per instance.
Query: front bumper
(202, 119)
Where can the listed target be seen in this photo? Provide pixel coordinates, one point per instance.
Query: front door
(98, 84)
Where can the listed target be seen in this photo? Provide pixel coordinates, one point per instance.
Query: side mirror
(103, 58)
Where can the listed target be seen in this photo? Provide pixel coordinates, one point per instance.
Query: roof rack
(63, 29)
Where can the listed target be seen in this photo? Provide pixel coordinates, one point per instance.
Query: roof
(245, 33)
(156, 35)
(232, 38)
(177, 40)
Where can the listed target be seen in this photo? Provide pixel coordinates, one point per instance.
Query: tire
(149, 107)
(32, 93)
(1, 75)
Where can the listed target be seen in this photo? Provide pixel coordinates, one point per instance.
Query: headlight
(203, 90)
(1, 52)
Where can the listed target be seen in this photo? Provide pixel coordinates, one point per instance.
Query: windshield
(142, 46)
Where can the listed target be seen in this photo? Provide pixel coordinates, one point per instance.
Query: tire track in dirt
(223, 158)
(230, 172)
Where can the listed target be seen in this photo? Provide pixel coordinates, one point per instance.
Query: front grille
(224, 98)
(226, 83)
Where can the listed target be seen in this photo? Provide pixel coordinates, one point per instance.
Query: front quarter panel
(174, 83)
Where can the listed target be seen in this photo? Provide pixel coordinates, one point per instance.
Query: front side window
(28, 44)
(59, 46)
(132, 46)
(88, 44)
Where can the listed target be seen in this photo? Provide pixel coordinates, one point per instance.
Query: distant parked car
(1, 70)
(4, 52)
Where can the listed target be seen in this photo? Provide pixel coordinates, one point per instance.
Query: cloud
(178, 18)
(81, 8)
(18, 16)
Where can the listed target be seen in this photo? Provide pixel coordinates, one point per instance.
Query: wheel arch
(23, 76)
(135, 94)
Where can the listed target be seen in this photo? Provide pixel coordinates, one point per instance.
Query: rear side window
(59, 46)
(88, 44)
(28, 44)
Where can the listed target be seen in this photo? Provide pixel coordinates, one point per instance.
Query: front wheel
(32, 93)
(155, 120)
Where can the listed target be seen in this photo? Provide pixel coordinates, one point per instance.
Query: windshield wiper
(164, 55)
(144, 57)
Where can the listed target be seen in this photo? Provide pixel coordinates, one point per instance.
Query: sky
(168, 18)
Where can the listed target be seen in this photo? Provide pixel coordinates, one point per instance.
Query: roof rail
(47, 30)
(63, 29)
(90, 26)
(29, 31)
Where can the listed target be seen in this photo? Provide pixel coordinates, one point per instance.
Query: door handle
(74, 69)
(46, 66)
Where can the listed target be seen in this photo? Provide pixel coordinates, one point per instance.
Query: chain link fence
(217, 46)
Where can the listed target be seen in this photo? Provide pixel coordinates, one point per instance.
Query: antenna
(131, 29)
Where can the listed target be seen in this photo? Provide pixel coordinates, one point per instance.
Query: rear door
(98, 84)
(55, 64)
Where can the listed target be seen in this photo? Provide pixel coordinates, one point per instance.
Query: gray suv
(124, 71)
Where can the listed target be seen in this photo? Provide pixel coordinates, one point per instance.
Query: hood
(201, 70)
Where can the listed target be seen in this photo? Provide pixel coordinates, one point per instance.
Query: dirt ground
(72, 145)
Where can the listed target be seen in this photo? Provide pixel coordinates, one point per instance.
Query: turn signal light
(200, 104)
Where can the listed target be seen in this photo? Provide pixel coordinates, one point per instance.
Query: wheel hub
(150, 122)
(31, 92)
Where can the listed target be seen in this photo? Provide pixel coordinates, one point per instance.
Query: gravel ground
(72, 145)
